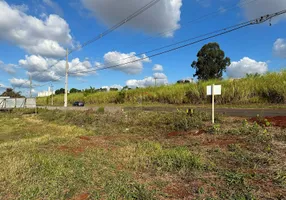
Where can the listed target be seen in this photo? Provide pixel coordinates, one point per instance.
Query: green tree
(60, 91)
(11, 93)
(211, 62)
(74, 90)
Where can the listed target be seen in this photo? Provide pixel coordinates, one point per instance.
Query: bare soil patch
(279, 121)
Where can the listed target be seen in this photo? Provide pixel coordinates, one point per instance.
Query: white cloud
(116, 58)
(158, 67)
(262, 7)
(9, 68)
(246, 66)
(54, 6)
(165, 15)
(159, 76)
(279, 48)
(36, 36)
(148, 81)
(22, 8)
(46, 69)
(119, 87)
(3, 86)
(22, 83)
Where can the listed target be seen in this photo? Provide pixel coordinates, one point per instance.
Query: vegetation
(268, 88)
(138, 155)
(74, 90)
(60, 91)
(211, 62)
(11, 93)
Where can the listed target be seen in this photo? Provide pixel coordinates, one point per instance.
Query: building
(46, 93)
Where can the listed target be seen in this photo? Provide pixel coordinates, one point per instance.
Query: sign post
(213, 90)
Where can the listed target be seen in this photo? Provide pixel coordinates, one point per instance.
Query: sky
(34, 36)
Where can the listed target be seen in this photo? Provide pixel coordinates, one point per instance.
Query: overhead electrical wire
(235, 27)
(116, 26)
(204, 17)
(108, 31)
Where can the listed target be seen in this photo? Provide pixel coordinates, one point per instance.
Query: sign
(217, 90)
(213, 90)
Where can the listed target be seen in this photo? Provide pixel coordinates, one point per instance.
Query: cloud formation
(245, 66)
(22, 83)
(55, 6)
(40, 68)
(9, 68)
(45, 37)
(279, 48)
(165, 15)
(158, 68)
(115, 58)
(262, 7)
(161, 79)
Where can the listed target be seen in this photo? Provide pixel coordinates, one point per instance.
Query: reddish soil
(178, 191)
(84, 138)
(221, 142)
(176, 133)
(279, 121)
(83, 196)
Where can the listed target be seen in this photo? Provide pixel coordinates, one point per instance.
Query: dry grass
(267, 89)
(138, 155)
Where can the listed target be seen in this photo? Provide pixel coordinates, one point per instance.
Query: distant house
(46, 93)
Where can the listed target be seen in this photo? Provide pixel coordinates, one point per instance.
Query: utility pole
(155, 82)
(30, 86)
(52, 87)
(66, 83)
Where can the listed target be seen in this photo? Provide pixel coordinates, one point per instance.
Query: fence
(10, 103)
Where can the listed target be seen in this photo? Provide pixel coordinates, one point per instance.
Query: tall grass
(269, 88)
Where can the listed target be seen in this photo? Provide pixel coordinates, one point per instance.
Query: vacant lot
(140, 155)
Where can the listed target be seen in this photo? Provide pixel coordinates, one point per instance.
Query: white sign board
(31, 103)
(217, 90)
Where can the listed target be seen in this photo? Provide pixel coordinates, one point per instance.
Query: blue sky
(34, 34)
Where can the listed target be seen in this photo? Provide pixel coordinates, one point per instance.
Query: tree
(60, 91)
(211, 62)
(10, 93)
(74, 90)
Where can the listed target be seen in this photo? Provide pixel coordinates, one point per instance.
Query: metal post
(66, 83)
(213, 96)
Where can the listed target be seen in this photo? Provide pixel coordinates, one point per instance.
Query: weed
(100, 110)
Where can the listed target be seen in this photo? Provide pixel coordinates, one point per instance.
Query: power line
(108, 31)
(116, 26)
(236, 27)
(202, 18)
(245, 2)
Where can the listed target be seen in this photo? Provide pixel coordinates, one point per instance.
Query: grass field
(139, 155)
(267, 89)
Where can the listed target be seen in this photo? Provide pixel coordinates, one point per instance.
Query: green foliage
(269, 88)
(74, 90)
(100, 110)
(184, 120)
(211, 62)
(60, 91)
(11, 93)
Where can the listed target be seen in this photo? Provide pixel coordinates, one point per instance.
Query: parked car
(78, 103)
